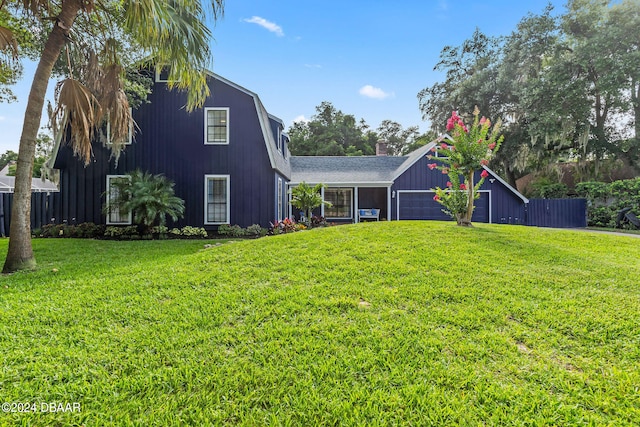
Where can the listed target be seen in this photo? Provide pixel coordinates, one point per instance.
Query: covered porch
(348, 200)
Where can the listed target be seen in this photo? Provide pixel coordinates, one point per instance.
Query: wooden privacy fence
(559, 213)
(43, 209)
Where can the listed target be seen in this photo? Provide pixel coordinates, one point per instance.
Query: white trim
(206, 126)
(158, 71)
(388, 203)
(157, 74)
(374, 184)
(206, 201)
(506, 184)
(418, 154)
(399, 192)
(279, 199)
(108, 198)
(355, 204)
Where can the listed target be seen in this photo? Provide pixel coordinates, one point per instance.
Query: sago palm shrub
(150, 199)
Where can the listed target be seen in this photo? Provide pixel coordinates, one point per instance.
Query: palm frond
(8, 42)
(83, 112)
(37, 6)
(176, 35)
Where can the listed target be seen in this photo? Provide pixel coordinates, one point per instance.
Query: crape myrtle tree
(98, 39)
(469, 151)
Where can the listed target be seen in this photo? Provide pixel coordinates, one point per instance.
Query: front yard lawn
(404, 323)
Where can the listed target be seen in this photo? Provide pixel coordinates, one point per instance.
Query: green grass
(409, 323)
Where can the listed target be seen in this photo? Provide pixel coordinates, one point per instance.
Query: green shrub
(159, 229)
(255, 230)
(605, 200)
(545, 189)
(595, 192)
(231, 230)
(128, 232)
(189, 231)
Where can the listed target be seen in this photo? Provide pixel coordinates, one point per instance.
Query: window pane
(116, 215)
(217, 200)
(216, 125)
(340, 199)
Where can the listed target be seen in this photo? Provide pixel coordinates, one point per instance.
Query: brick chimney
(381, 148)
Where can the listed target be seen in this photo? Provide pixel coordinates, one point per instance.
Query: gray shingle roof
(7, 184)
(353, 170)
(345, 170)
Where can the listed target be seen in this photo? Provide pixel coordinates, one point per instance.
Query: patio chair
(633, 219)
(621, 216)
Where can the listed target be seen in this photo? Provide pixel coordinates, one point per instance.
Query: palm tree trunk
(20, 254)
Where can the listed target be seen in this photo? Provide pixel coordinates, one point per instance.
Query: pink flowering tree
(470, 150)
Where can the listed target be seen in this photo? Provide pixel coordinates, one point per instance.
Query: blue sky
(369, 58)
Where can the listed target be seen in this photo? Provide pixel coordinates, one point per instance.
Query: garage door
(420, 205)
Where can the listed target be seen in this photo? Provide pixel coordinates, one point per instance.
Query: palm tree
(308, 198)
(150, 198)
(94, 35)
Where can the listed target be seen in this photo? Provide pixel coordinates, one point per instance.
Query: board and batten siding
(506, 206)
(170, 141)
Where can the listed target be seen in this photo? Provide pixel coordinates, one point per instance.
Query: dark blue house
(399, 187)
(230, 163)
(229, 160)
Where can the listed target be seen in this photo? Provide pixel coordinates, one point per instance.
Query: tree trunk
(510, 175)
(465, 221)
(20, 254)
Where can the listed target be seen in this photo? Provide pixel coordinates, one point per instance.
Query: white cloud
(271, 26)
(374, 92)
(300, 118)
(2, 118)
(313, 65)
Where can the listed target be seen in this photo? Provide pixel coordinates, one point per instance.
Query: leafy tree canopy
(566, 86)
(330, 132)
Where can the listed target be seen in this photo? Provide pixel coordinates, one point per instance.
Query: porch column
(389, 216)
(322, 205)
(289, 208)
(355, 204)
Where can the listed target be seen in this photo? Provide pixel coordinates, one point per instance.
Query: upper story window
(216, 125)
(162, 73)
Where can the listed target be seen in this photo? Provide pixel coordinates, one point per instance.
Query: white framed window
(341, 200)
(216, 126)
(280, 196)
(216, 199)
(162, 73)
(130, 135)
(116, 216)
